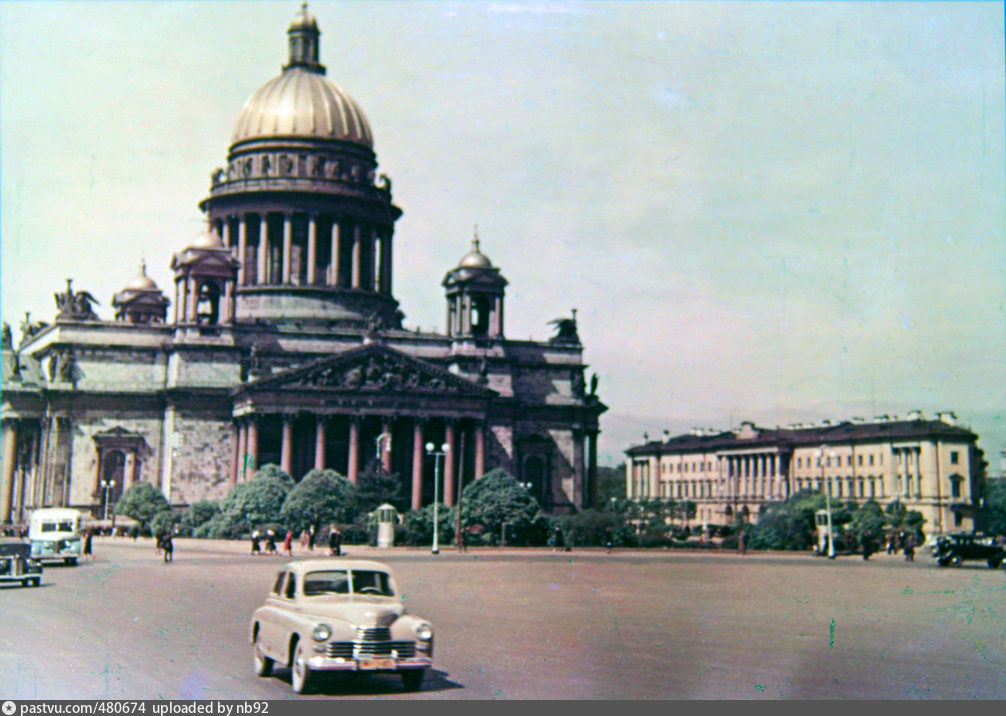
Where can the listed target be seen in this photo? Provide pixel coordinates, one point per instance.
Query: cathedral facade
(281, 342)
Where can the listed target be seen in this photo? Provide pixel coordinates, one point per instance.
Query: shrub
(142, 502)
(322, 497)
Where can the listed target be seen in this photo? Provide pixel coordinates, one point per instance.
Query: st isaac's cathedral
(282, 342)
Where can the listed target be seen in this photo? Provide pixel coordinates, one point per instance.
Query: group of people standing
(903, 541)
(307, 540)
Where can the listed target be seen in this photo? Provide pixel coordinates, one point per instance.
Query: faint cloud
(670, 97)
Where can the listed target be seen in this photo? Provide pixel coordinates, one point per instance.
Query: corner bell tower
(475, 290)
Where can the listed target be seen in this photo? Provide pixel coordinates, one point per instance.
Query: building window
(955, 457)
(957, 519)
(860, 460)
(871, 460)
(848, 460)
(955, 486)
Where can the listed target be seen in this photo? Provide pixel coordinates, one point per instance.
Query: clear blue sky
(769, 211)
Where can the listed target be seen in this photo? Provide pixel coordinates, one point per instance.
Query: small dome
(141, 282)
(207, 240)
(303, 20)
(475, 258)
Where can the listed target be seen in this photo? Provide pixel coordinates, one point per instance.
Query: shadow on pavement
(360, 684)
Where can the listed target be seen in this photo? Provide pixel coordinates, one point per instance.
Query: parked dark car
(957, 548)
(17, 565)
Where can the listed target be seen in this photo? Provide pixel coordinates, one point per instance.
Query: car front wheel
(300, 673)
(413, 679)
(262, 663)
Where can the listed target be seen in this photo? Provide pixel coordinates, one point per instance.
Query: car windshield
(341, 581)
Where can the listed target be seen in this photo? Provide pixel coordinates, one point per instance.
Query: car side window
(291, 587)
(277, 588)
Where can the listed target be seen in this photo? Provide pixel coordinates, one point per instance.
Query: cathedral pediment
(371, 369)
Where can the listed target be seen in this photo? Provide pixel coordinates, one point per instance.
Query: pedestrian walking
(310, 538)
(303, 539)
(910, 547)
(256, 544)
(335, 541)
(742, 545)
(288, 543)
(87, 553)
(868, 546)
(169, 547)
(270, 542)
(462, 547)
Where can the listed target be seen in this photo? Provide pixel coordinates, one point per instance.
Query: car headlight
(321, 632)
(424, 631)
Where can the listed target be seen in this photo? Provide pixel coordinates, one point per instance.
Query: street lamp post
(437, 455)
(827, 504)
(108, 485)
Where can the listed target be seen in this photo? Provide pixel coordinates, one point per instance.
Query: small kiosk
(387, 518)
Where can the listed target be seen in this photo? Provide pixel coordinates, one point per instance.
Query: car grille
(373, 633)
(351, 649)
(371, 641)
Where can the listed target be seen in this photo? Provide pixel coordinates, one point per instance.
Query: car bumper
(340, 663)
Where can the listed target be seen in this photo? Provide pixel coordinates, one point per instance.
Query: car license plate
(377, 663)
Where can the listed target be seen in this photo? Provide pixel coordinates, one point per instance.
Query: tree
(272, 471)
(377, 487)
(419, 523)
(995, 507)
(497, 498)
(141, 502)
(610, 483)
(257, 501)
(322, 497)
(868, 521)
(901, 519)
(198, 514)
(788, 525)
(593, 528)
(164, 521)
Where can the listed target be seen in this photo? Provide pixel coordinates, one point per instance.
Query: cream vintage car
(339, 615)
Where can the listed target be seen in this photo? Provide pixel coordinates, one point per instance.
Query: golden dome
(302, 102)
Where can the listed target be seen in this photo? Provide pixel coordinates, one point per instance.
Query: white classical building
(930, 465)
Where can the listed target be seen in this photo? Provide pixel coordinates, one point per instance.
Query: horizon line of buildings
(933, 466)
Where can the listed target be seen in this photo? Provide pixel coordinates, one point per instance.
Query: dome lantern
(304, 42)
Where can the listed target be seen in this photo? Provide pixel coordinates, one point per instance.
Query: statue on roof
(75, 306)
(565, 330)
(29, 329)
(7, 339)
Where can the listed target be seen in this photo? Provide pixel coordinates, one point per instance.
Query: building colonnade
(300, 443)
(308, 249)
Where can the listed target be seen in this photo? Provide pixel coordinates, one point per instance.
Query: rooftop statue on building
(75, 306)
(565, 330)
